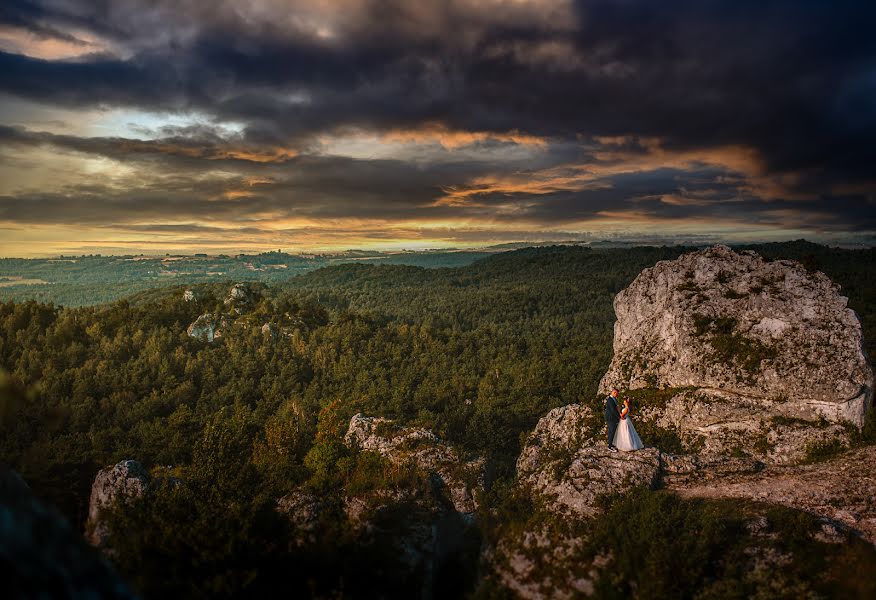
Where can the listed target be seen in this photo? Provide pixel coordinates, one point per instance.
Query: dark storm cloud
(794, 80)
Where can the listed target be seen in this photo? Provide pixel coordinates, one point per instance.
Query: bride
(626, 438)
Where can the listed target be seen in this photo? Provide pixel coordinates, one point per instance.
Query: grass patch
(822, 450)
(667, 547)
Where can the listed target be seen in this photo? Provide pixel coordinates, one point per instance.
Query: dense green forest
(476, 353)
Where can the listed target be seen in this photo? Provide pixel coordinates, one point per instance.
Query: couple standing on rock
(621, 433)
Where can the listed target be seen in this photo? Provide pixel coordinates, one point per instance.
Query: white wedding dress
(626, 438)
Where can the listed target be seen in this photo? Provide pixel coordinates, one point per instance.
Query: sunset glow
(331, 125)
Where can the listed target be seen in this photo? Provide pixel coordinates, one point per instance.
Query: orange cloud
(451, 139)
(17, 40)
(268, 154)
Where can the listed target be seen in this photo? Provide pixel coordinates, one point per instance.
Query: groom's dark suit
(612, 417)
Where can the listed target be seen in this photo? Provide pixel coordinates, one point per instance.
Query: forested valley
(477, 354)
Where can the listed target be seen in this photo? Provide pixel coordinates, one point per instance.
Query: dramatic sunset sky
(215, 126)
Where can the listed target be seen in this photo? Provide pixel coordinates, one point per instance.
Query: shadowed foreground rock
(566, 465)
(424, 449)
(42, 556)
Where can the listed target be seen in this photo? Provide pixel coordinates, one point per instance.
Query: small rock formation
(303, 511)
(425, 526)
(240, 297)
(189, 296)
(270, 330)
(42, 556)
(402, 444)
(204, 328)
(766, 356)
(127, 479)
(240, 292)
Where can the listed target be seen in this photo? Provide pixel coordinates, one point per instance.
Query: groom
(612, 417)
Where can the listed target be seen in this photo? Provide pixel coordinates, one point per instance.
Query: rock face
(126, 479)
(760, 351)
(422, 447)
(562, 461)
(303, 510)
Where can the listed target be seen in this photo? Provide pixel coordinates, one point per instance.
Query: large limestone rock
(767, 356)
(402, 444)
(564, 462)
(127, 479)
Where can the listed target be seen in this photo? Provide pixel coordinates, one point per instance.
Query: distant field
(11, 280)
(90, 280)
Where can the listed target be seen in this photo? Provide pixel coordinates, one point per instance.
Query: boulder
(240, 292)
(426, 524)
(189, 296)
(270, 330)
(458, 478)
(758, 351)
(127, 479)
(516, 563)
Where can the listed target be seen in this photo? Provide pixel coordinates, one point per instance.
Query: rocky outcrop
(766, 356)
(420, 446)
(190, 296)
(240, 297)
(563, 461)
(426, 524)
(565, 465)
(303, 511)
(126, 479)
(204, 328)
(515, 564)
(577, 483)
(42, 556)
